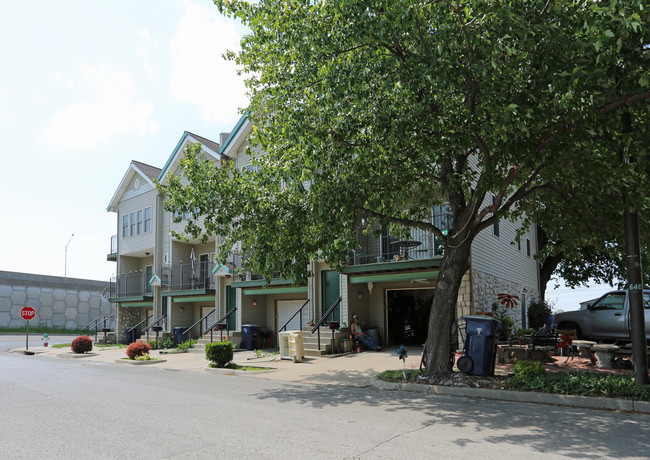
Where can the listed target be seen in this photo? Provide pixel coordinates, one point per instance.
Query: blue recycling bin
(179, 337)
(131, 335)
(482, 333)
(250, 336)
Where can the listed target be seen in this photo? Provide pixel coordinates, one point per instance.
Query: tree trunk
(546, 270)
(455, 262)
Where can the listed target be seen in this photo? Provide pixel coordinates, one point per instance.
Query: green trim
(260, 283)
(287, 290)
(404, 276)
(137, 304)
(161, 176)
(391, 266)
(188, 292)
(130, 299)
(233, 133)
(198, 298)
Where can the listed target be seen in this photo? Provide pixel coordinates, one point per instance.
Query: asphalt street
(61, 408)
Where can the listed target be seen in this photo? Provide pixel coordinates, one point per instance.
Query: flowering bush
(137, 349)
(82, 344)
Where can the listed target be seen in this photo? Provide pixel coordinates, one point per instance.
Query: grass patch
(109, 345)
(43, 329)
(398, 376)
(62, 345)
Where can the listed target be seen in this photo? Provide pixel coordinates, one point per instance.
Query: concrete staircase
(199, 346)
(311, 340)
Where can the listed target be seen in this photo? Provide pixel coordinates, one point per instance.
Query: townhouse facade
(389, 282)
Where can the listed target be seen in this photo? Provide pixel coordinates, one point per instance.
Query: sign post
(27, 313)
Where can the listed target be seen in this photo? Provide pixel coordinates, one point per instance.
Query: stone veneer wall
(487, 287)
(66, 303)
(127, 317)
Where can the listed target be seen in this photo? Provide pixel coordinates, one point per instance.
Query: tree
(378, 111)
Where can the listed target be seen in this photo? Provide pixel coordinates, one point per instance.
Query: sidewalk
(351, 370)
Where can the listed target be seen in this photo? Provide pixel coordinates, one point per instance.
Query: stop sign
(27, 313)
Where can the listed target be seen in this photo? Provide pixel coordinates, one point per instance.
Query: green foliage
(219, 353)
(501, 313)
(189, 343)
(164, 343)
(583, 383)
(398, 376)
(538, 314)
(528, 369)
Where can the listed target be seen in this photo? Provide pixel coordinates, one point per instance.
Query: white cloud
(82, 125)
(146, 62)
(200, 75)
(145, 33)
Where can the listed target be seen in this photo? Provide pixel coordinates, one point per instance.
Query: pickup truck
(607, 318)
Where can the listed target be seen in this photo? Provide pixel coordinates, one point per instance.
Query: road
(58, 408)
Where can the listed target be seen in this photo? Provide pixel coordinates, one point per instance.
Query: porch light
(254, 303)
(360, 295)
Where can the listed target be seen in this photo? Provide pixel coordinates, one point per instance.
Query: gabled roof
(238, 135)
(208, 146)
(147, 172)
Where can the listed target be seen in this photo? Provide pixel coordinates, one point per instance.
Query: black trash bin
(482, 333)
(179, 337)
(131, 335)
(251, 336)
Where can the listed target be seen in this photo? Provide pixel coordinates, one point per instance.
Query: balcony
(131, 285)
(112, 255)
(188, 277)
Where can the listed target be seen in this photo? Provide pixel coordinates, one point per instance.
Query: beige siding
(135, 203)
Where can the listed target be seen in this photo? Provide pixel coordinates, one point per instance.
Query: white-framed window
(147, 219)
(140, 221)
(527, 247)
(137, 222)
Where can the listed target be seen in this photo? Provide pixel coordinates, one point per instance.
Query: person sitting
(358, 334)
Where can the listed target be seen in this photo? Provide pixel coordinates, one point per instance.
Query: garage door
(286, 309)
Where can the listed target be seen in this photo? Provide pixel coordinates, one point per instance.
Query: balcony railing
(187, 277)
(131, 285)
(112, 255)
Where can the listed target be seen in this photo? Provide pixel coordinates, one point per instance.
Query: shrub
(499, 312)
(220, 353)
(137, 349)
(163, 343)
(538, 313)
(82, 344)
(528, 369)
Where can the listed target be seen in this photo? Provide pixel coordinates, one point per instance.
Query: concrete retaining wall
(67, 303)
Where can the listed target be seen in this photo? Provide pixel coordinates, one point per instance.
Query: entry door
(286, 309)
(330, 292)
(231, 302)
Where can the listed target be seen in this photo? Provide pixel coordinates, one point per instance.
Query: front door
(330, 293)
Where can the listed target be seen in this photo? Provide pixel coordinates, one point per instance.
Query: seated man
(358, 334)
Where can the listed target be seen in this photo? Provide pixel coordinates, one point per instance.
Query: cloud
(111, 111)
(200, 76)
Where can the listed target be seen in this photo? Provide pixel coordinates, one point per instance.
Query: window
(147, 219)
(518, 245)
(140, 222)
(495, 227)
(610, 302)
(527, 247)
(137, 222)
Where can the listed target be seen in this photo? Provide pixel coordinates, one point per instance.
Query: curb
(139, 363)
(585, 402)
(72, 355)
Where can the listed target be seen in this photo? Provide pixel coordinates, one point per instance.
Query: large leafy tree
(380, 110)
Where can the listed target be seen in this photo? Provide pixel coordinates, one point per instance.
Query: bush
(538, 313)
(220, 353)
(164, 343)
(137, 349)
(82, 344)
(499, 312)
(528, 369)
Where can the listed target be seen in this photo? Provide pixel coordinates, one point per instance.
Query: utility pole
(65, 269)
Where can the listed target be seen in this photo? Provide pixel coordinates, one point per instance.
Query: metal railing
(154, 326)
(95, 323)
(219, 324)
(188, 277)
(135, 328)
(205, 318)
(113, 247)
(132, 285)
(294, 315)
(319, 323)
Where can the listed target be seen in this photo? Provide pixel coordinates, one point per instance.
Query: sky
(85, 88)
(88, 86)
